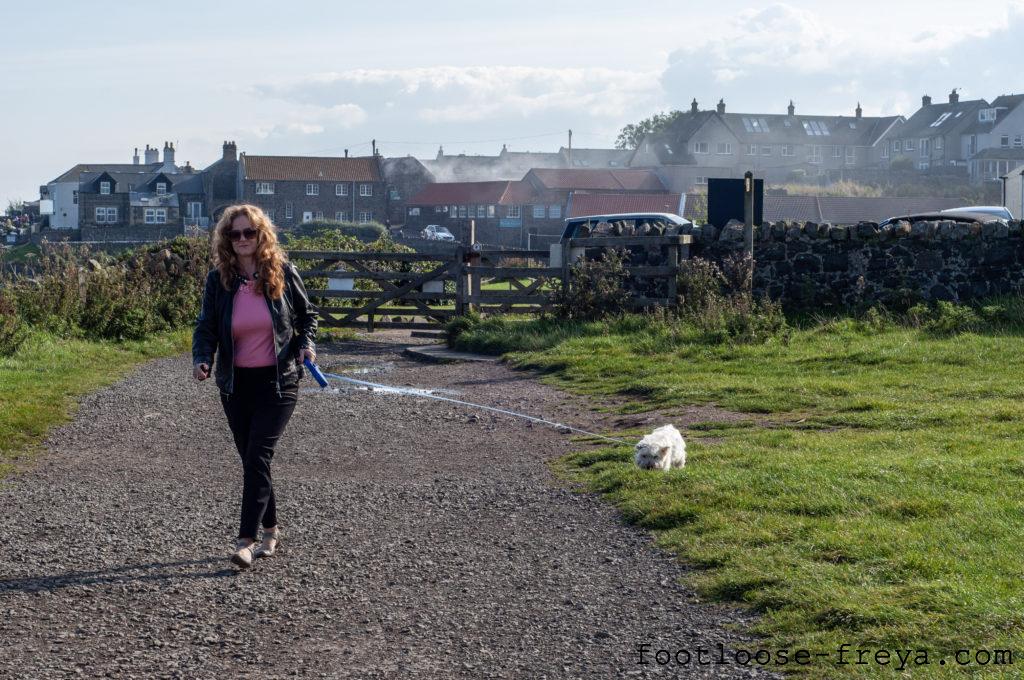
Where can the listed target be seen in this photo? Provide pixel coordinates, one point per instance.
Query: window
(701, 179)
(986, 115)
(1004, 141)
(538, 211)
(481, 211)
(700, 147)
(554, 211)
(787, 150)
(341, 189)
(923, 165)
(851, 155)
(366, 190)
(105, 188)
(723, 148)
(938, 143)
(288, 210)
(766, 150)
(161, 187)
(264, 187)
(908, 144)
(837, 151)
(74, 197)
(490, 211)
(973, 145)
(462, 211)
(751, 149)
(155, 215)
(440, 208)
(1018, 141)
(925, 149)
(940, 120)
(454, 211)
(319, 215)
(342, 215)
(813, 153)
(885, 151)
(365, 215)
(106, 215)
(195, 209)
(896, 146)
(312, 189)
(514, 212)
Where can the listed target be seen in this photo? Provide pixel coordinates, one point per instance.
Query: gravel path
(420, 540)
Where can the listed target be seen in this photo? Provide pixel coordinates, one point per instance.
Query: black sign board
(725, 201)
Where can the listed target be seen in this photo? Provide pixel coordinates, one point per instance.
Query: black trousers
(257, 416)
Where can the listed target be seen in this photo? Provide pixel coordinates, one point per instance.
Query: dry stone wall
(810, 264)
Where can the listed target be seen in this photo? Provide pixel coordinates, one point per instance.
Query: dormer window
(986, 115)
(161, 187)
(105, 188)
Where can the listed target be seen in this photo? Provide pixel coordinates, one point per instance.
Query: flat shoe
(243, 557)
(269, 545)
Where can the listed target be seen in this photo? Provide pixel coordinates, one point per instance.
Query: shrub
(596, 288)
(370, 231)
(699, 284)
(13, 329)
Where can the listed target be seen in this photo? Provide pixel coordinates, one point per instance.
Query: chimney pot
(791, 108)
(693, 106)
(954, 96)
(721, 106)
(859, 111)
(926, 101)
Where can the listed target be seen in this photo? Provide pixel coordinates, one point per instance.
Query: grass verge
(877, 503)
(41, 382)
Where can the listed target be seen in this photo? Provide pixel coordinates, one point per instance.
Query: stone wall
(812, 264)
(139, 233)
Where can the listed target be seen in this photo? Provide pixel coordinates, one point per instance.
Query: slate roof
(595, 180)
(311, 168)
(926, 121)
(152, 200)
(597, 158)
(847, 209)
(189, 183)
(75, 173)
(603, 204)
(999, 153)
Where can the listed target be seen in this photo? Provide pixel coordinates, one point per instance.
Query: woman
(258, 321)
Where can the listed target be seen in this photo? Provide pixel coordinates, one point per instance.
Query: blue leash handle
(314, 371)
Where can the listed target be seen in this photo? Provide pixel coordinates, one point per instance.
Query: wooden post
(460, 281)
(748, 227)
(673, 261)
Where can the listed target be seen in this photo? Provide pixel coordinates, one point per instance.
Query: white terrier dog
(662, 449)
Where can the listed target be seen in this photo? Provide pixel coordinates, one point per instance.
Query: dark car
(964, 216)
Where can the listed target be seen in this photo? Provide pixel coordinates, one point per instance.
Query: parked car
(620, 224)
(435, 232)
(997, 210)
(944, 215)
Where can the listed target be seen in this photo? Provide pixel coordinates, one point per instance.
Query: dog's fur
(662, 449)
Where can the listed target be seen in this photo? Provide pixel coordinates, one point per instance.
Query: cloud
(766, 57)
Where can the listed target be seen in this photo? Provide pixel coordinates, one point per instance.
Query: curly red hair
(270, 258)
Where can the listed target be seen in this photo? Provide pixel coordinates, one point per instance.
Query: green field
(41, 383)
(870, 493)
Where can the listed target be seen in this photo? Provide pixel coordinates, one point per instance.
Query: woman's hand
(201, 371)
(306, 354)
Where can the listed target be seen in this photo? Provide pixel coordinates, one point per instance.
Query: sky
(88, 83)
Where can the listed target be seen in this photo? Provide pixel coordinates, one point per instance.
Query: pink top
(252, 329)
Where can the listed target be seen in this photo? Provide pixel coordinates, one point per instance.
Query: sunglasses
(236, 235)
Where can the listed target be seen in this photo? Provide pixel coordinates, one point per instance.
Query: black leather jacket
(295, 323)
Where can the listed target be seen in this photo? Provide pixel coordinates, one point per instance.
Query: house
(507, 165)
(496, 209)
(997, 137)
(221, 182)
(164, 197)
(296, 189)
(63, 190)
(595, 158)
(582, 204)
(403, 177)
(937, 136)
(777, 147)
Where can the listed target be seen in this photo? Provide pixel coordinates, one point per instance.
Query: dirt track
(420, 540)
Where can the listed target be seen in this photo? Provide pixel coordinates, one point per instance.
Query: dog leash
(322, 377)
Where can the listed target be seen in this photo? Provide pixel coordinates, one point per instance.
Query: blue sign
(511, 222)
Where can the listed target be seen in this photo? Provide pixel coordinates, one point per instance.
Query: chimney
(169, 158)
(791, 108)
(188, 169)
(926, 101)
(954, 98)
(135, 158)
(440, 152)
(721, 106)
(230, 151)
(346, 153)
(373, 143)
(858, 111)
(693, 106)
(152, 155)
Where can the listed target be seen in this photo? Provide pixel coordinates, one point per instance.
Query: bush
(13, 329)
(945, 318)
(597, 288)
(370, 231)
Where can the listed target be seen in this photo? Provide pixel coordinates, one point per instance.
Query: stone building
(297, 189)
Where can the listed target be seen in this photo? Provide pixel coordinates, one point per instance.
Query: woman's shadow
(131, 573)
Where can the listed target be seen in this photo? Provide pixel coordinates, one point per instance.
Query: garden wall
(812, 264)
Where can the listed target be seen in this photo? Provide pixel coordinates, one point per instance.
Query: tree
(631, 135)
(15, 207)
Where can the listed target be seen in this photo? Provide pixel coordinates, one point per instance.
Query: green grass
(878, 502)
(40, 384)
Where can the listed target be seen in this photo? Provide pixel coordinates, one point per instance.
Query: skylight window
(941, 119)
(755, 125)
(764, 125)
(747, 125)
(824, 128)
